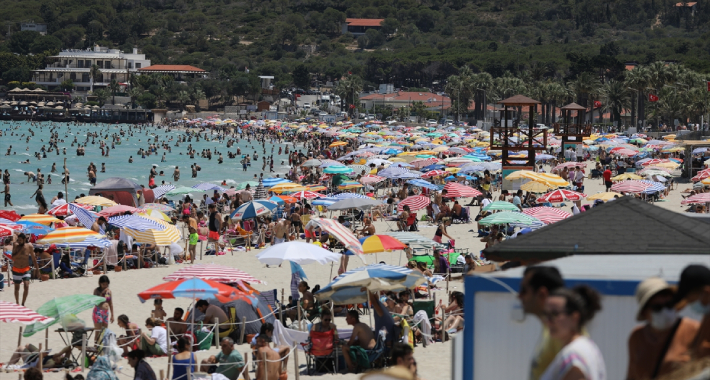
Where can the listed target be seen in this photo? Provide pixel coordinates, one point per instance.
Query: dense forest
(421, 43)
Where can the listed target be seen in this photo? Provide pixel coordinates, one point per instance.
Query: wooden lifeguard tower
(573, 129)
(508, 137)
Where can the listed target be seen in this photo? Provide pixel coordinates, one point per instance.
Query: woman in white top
(566, 312)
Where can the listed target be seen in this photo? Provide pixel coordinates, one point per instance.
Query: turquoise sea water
(117, 163)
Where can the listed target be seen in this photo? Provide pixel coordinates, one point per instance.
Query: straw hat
(646, 290)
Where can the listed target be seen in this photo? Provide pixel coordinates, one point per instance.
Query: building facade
(76, 64)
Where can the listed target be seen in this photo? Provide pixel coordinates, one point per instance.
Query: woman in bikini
(103, 312)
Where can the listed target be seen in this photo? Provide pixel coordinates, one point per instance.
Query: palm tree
(637, 80)
(134, 93)
(698, 103)
(614, 99)
(482, 84)
(459, 87)
(95, 75)
(349, 89)
(584, 86)
(182, 97)
(113, 87)
(101, 95)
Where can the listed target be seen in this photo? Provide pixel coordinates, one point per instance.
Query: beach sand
(434, 362)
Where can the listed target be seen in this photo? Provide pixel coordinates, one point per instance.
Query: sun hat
(646, 290)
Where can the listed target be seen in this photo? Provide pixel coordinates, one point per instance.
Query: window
(100, 64)
(138, 65)
(130, 65)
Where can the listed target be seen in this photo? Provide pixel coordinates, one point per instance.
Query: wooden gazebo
(508, 137)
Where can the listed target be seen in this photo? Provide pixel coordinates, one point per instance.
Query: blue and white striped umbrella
(135, 222)
(269, 182)
(162, 190)
(206, 186)
(392, 172)
(88, 242)
(347, 196)
(345, 288)
(86, 217)
(655, 187)
(424, 184)
(253, 209)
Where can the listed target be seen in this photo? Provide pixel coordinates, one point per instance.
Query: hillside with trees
(421, 43)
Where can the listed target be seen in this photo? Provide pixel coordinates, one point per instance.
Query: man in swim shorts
(22, 252)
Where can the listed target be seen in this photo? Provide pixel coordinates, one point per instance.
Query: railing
(572, 129)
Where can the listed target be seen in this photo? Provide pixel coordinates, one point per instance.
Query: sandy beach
(434, 361)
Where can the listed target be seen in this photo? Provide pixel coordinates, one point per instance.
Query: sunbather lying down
(31, 357)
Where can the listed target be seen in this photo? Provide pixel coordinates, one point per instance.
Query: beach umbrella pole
(83, 351)
(170, 357)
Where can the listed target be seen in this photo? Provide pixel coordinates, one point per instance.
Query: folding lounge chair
(320, 353)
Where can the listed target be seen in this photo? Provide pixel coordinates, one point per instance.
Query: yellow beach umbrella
(625, 176)
(69, 235)
(337, 143)
(397, 159)
(706, 181)
(156, 214)
(441, 149)
(39, 218)
(165, 237)
(670, 165)
(535, 187)
(606, 196)
(452, 170)
(287, 187)
(96, 200)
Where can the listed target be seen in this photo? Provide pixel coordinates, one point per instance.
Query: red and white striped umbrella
(655, 161)
(424, 162)
(306, 195)
(697, 199)
(701, 175)
(217, 273)
(434, 173)
(570, 165)
(370, 179)
(457, 190)
(340, 233)
(547, 215)
(625, 152)
(561, 195)
(415, 202)
(12, 312)
(630, 186)
(64, 210)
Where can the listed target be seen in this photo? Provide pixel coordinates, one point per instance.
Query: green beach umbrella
(501, 206)
(337, 169)
(61, 308)
(183, 190)
(507, 217)
(243, 185)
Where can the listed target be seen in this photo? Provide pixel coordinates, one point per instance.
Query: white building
(76, 65)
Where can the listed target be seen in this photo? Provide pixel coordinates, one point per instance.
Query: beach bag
(204, 340)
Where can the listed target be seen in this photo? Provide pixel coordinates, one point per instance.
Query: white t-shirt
(161, 337)
(582, 353)
(485, 202)
(59, 202)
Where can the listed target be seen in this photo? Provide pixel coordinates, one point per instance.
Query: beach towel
(359, 357)
(111, 253)
(422, 320)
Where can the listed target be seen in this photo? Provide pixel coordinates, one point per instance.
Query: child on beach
(194, 237)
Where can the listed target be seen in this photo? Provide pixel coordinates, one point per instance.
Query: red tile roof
(364, 21)
(172, 68)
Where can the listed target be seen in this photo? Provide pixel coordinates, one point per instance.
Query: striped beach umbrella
(65, 209)
(287, 187)
(316, 188)
(415, 203)
(182, 191)
(155, 214)
(348, 196)
(157, 206)
(165, 237)
(251, 210)
(340, 233)
(269, 182)
(434, 173)
(509, 217)
(69, 235)
(420, 163)
(697, 199)
(136, 222)
(335, 169)
(561, 195)
(40, 218)
(95, 200)
(193, 288)
(159, 191)
(206, 186)
(370, 179)
(213, 272)
(12, 312)
(546, 214)
(100, 242)
(630, 187)
(347, 185)
(501, 206)
(456, 190)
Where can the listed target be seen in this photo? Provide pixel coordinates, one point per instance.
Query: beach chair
(428, 306)
(464, 217)
(376, 356)
(320, 353)
(271, 299)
